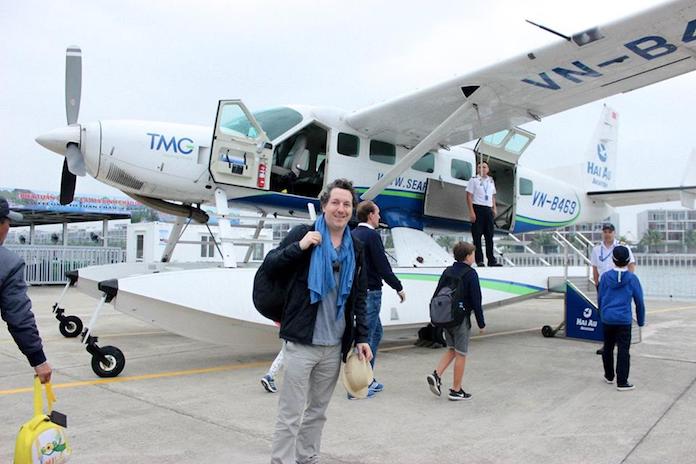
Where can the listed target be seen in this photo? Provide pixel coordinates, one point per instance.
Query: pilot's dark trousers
(483, 226)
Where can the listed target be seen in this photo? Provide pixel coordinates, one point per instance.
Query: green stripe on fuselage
(498, 286)
(394, 193)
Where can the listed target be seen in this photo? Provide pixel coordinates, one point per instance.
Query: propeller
(74, 164)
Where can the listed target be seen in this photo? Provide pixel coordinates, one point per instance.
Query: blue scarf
(321, 276)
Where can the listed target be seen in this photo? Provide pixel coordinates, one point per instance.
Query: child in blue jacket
(616, 290)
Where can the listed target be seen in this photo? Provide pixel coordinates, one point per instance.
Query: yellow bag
(41, 440)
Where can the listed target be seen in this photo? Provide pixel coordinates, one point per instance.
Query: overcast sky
(172, 61)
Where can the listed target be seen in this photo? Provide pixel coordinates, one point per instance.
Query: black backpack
(270, 293)
(447, 306)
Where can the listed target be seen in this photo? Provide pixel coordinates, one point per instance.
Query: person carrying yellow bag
(42, 440)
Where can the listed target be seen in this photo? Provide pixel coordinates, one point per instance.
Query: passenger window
(526, 186)
(426, 163)
(382, 152)
(348, 145)
(461, 169)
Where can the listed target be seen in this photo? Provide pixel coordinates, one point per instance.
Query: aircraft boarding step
(585, 285)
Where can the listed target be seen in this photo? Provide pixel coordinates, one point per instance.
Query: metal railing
(48, 264)
(556, 259)
(665, 260)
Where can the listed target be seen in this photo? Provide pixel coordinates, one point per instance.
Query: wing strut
(416, 153)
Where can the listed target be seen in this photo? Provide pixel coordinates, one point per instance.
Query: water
(668, 282)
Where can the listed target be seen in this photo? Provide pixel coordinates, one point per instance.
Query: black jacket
(299, 315)
(471, 289)
(15, 307)
(378, 267)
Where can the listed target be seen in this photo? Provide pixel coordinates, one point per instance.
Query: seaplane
(406, 154)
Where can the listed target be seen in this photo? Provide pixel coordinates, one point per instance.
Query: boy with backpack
(616, 290)
(458, 293)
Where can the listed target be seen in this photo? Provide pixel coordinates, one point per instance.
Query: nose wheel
(107, 361)
(69, 326)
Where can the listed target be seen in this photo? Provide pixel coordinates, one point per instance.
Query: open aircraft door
(502, 151)
(240, 154)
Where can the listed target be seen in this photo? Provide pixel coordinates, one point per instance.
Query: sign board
(582, 316)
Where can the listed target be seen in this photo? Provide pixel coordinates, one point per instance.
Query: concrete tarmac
(534, 399)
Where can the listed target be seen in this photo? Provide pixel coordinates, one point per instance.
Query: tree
(446, 242)
(690, 240)
(543, 241)
(651, 238)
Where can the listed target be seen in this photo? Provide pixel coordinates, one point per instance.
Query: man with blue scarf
(323, 317)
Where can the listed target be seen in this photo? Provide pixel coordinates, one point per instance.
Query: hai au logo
(587, 313)
(602, 152)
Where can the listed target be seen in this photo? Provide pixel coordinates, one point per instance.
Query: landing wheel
(116, 362)
(70, 326)
(547, 331)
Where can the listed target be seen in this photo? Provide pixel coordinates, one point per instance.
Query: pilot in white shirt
(480, 197)
(601, 254)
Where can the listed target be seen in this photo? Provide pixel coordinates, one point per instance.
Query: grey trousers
(311, 373)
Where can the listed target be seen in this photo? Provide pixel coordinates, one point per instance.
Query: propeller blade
(73, 83)
(67, 185)
(75, 160)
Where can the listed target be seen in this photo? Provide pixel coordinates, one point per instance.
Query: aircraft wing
(619, 57)
(645, 196)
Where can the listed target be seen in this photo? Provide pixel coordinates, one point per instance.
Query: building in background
(147, 241)
(667, 230)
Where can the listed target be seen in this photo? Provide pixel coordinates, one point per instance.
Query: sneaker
(370, 394)
(375, 386)
(480, 265)
(434, 382)
(607, 380)
(625, 387)
(269, 384)
(496, 264)
(458, 396)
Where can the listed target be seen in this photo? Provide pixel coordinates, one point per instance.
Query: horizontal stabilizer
(644, 196)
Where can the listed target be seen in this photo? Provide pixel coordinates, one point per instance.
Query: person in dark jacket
(378, 269)
(323, 316)
(458, 337)
(15, 305)
(616, 290)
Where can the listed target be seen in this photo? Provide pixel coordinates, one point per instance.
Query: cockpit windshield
(274, 121)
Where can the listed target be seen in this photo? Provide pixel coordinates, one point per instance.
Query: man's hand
(43, 372)
(402, 296)
(364, 351)
(310, 239)
(482, 331)
(472, 216)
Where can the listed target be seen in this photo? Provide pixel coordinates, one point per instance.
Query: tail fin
(597, 170)
(600, 159)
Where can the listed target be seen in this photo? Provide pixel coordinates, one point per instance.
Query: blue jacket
(376, 262)
(15, 307)
(616, 290)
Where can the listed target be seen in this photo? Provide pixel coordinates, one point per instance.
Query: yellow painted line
(161, 375)
(667, 310)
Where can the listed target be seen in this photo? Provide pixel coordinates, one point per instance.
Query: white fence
(642, 259)
(48, 264)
